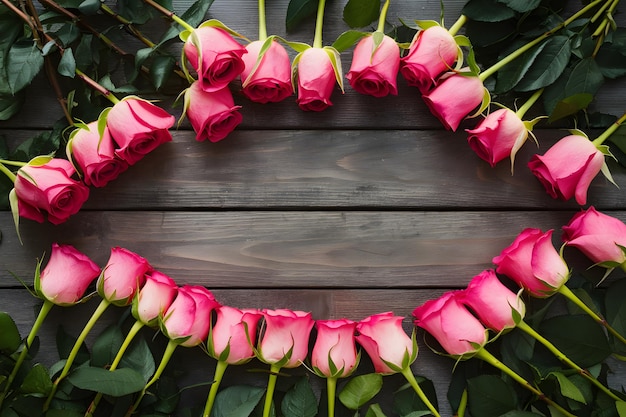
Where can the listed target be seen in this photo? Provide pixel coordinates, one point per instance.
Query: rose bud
(270, 82)
(154, 297)
(187, 320)
(138, 127)
(374, 71)
(568, 167)
(48, 188)
(285, 340)
(213, 115)
(533, 263)
(123, 275)
(232, 338)
(315, 80)
(334, 354)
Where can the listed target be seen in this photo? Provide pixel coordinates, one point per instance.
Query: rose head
(66, 277)
(215, 56)
(271, 80)
(334, 354)
(285, 339)
(154, 297)
(533, 263)
(432, 52)
(500, 135)
(95, 155)
(188, 318)
(493, 302)
(213, 115)
(568, 167)
(454, 98)
(454, 327)
(123, 275)
(138, 127)
(49, 188)
(232, 338)
(600, 237)
(386, 343)
(374, 72)
(315, 79)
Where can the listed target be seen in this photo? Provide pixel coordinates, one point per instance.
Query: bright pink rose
(285, 341)
(568, 167)
(271, 80)
(448, 321)
(66, 276)
(188, 318)
(386, 343)
(334, 353)
(49, 188)
(375, 73)
(533, 263)
(138, 127)
(454, 98)
(316, 80)
(492, 301)
(600, 237)
(232, 338)
(213, 115)
(500, 135)
(95, 155)
(123, 275)
(432, 52)
(154, 297)
(215, 56)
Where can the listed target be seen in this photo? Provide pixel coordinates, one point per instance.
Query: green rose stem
(43, 312)
(492, 360)
(104, 304)
(220, 368)
(319, 22)
(331, 390)
(600, 31)
(522, 325)
(608, 132)
(529, 103)
(6, 171)
(170, 14)
(271, 382)
(456, 26)
(408, 374)
(262, 24)
(383, 16)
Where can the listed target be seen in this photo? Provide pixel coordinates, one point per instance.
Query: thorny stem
(170, 14)
(457, 25)
(383, 17)
(529, 103)
(128, 25)
(99, 88)
(319, 22)
(605, 135)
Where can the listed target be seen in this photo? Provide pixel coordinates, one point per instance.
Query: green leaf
(521, 6)
(67, 64)
(406, 402)
(10, 338)
(487, 11)
(299, 10)
(116, 383)
(511, 74)
(548, 66)
(139, 357)
(237, 401)
(568, 389)
(67, 33)
(161, 69)
(621, 408)
(106, 346)
(194, 15)
(37, 381)
(360, 390)
(24, 62)
(616, 308)
(348, 39)
(360, 13)
(10, 28)
(374, 410)
(570, 105)
(10, 105)
(300, 400)
(490, 396)
(584, 78)
(89, 7)
(65, 343)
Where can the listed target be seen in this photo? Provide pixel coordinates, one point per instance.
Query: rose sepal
(335, 60)
(334, 371)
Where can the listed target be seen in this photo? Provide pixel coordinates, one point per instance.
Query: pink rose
(66, 277)
(95, 155)
(285, 341)
(386, 343)
(316, 80)
(568, 167)
(454, 98)
(375, 72)
(154, 297)
(334, 354)
(188, 318)
(138, 127)
(454, 327)
(432, 52)
(123, 275)
(49, 189)
(500, 135)
(271, 80)
(600, 237)
(533, 263)
(213, 115)
(492, 301)
(215, 56)
(233, 336)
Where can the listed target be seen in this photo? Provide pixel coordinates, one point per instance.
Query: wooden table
(369, 206)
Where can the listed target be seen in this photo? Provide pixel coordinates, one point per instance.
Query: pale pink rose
(315, 79)
(334, 353)
(568, 167)
(154, 297)
(188, 318)
(375, 74)
(500, 135)
(602, 238)
(66, 277)
(285, 340)
(271, 80)
(454, 327)
(432, 52)
(49, 189)
(138, 127)
(386, 342)
(215, 56)
(213, 115)
(454, 98)
(123, 275)
(233, 336)
(533, 263)
(492, 301)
